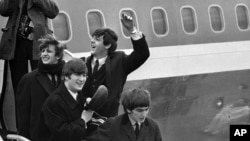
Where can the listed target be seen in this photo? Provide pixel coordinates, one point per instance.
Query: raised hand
(127, 22)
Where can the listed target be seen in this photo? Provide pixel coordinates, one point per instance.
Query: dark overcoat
(61, 117)
(33, 90)
(120, 129)
(118, 66)
(38, 10)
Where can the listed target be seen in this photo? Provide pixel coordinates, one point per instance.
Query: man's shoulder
(30, 75)
(53, 99)
(117, 54)
(151, 122)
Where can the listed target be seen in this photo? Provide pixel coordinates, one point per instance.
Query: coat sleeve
(56, 120)
(103, 132)
(23, 106)
(7, 7)
(48, 7)
(138, 56)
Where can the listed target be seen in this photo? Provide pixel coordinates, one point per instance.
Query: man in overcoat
(109, 67)
(133, 125)
(63, 116)
(36, 86)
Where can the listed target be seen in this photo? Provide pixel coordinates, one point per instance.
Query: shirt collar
(74, 95)
(133, 121)
(101, 60)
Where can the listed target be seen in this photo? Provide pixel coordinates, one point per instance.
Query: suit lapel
(88, 63)
(45, 83)
(108, 72)
(127, 128)
(143, 131)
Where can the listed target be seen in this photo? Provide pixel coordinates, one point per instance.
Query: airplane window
(61, 27)
(188, 19)
(159, 21)
(95, 21)
(242, 17)
(216, 18)
(132, 14)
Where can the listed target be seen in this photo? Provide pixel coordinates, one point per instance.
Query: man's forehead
(97, 36)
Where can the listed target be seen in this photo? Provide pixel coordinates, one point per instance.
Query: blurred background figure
(27, 22)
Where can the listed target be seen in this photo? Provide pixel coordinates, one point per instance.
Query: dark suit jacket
(33, 90)
(120, 129)
(61, 118)
(118, 65)
(38, 11)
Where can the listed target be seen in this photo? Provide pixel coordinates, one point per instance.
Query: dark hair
(137, 97)
(50, 40)
(74, 66)
(109, 37)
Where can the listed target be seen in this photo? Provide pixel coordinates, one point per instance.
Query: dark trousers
(19, 65)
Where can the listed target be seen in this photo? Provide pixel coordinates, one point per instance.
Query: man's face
(139, 114)
(75, 82)
(48, 55)
(98, 49)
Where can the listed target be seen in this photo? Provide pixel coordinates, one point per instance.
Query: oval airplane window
(61, 27)
(132, 14)
(216, 18)
(242, 17)
(159, 21)
(189, 20)
(94, 20)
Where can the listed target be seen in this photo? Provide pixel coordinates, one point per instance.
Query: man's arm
(56, 120)
(141, 51)
(102, 133)
(7, 7)
(48, 7)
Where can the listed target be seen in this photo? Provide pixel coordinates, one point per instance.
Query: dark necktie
(78, 98)
(53, 79)
(96, 66)
(137, 129)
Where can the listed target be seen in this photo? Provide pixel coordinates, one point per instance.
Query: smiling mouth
(45, 57)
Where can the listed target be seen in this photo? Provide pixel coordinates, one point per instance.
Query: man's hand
(87, 115)
(127, 22)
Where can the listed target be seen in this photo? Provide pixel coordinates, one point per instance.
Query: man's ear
(129, 111)
(66, 78)
(108, 46)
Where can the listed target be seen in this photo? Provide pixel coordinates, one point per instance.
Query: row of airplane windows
(160, 27)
